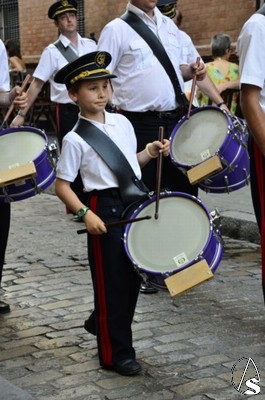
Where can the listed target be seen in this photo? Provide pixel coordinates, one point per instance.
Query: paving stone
(187, 345)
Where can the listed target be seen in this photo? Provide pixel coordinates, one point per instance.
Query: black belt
(114, 192)
(172, 114)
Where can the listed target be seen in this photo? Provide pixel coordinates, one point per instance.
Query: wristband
(220, 104)
(149, 152)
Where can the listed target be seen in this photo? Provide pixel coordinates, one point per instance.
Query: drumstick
(117, 223)
(11, 107)
(193, 89)
(159, 171)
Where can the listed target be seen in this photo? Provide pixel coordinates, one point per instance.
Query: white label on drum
(205, 154)
(181, 259)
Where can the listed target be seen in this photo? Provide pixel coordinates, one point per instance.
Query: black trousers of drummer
(257, 180)
(4, 231)
(115, 282)
(146, 126)
(66, 118)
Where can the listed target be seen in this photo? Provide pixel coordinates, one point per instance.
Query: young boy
(115, 282)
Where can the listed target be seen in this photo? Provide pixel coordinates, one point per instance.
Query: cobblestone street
(187, 345)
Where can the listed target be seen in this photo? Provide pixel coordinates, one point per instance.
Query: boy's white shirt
(77, 154)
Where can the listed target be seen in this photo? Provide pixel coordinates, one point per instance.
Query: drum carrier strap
(156, 46)
(66, 52)
(131, 188)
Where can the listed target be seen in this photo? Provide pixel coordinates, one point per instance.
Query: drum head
(19, 147)
(172, 241)
(198, 137)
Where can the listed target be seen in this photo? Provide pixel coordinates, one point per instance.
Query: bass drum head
(20, 146)
(195, 139)
(172, 241)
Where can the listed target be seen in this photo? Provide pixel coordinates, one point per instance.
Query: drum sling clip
(204, 169)
(17, 173)
(189, 277)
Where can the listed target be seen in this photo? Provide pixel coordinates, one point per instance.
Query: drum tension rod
(227, 184)
(8, 198)
(247, 178)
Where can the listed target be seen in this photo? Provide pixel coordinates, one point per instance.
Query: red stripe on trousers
(58, 118)
(104, 339)
(259, 167)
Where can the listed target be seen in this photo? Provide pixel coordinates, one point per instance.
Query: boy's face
(91, 96)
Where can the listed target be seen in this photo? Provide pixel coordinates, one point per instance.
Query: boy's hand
(157, 147)
(94, 225)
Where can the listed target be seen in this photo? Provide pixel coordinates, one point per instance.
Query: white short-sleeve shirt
(52, 61)
(251, 53)
(78, 154)
(142, 83)
(4, 69)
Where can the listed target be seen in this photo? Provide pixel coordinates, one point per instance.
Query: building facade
(27, 21)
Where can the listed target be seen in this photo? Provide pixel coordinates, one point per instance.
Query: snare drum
(183, 234)
(18, 147)
(210, 131)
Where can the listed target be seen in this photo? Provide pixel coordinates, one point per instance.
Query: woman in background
(16, 63)
(223, 73)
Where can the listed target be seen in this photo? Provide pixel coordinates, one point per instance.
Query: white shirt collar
(66, 42)
(109, 120)
(157, 20)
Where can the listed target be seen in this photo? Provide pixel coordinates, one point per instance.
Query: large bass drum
(183, 234)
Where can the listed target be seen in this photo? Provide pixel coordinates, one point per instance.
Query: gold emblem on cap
(167, 9)
(86, 74)
(100, 59)
(65, 3)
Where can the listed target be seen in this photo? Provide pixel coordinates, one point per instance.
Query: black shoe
(126, 367)
(4, 308)
(146, 288)
(90, 325)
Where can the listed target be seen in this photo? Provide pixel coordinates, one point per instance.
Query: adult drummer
(143, 91)
(6, 98)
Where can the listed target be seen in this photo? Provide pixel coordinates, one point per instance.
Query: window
(81, 17)
(259, 3)
(9, 24)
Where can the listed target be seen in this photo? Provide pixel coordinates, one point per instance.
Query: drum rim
(23, 129)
